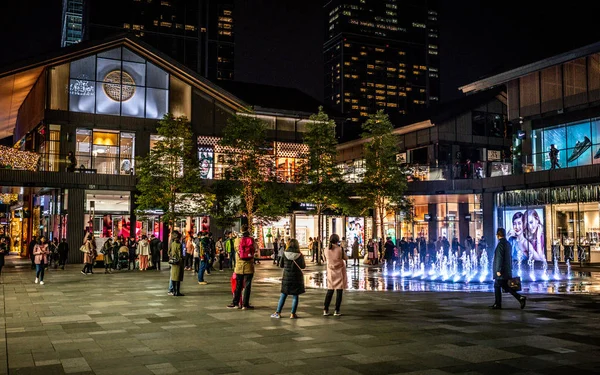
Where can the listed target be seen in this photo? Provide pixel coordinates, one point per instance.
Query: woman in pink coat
(40, 252)
(336, 274)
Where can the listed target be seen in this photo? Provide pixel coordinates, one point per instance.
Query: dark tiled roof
(275, 97)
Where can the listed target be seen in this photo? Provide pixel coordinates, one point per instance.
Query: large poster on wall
(355, 230)
(525, 232)
(206, 159)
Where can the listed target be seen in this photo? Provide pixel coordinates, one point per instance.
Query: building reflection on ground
(371, 279)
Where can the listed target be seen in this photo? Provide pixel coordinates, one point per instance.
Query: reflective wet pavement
(372, 279)
(125, 324)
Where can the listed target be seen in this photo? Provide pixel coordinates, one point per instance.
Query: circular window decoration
(119, 86)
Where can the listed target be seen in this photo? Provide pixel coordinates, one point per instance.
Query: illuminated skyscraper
(198, 33)
(381, 54)
(72, 22)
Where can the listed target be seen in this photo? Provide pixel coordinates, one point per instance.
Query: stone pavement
(125, 323)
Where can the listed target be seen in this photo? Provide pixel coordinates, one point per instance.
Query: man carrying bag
(503, 271)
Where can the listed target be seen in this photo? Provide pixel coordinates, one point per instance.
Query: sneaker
(275, 315)
(41, 283)
(293, 316)
(220, 270)
(83, 273)
(232, 306)
(326, 313)
(249, 307)
(169, 293)
(337, 313)
(579, 149)
(202, 282)
(36, 280)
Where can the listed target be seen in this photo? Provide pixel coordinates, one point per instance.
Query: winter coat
(175, 251)
(90, 254)
(336, 268)
(243, 266)
(355, 254)
(503, 260)
(143, 247)
(40, 253)
(292, 263)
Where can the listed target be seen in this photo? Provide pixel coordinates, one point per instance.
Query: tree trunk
(320, 240)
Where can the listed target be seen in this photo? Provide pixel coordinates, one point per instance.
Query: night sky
(280, 42)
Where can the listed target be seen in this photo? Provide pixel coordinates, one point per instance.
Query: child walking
(292, 283)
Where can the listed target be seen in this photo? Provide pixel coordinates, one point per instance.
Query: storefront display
(355, 231)
(577, 143)
(553, 223)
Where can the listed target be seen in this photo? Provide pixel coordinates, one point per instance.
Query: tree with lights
(169, 176)
(322, 183)
(251, 161)
(384, 181)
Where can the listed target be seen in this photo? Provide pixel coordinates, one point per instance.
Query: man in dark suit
(503, 271)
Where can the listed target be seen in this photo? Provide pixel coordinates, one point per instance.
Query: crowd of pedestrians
(198, 253)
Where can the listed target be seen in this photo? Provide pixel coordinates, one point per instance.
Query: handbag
(173, 260)
(514, 283)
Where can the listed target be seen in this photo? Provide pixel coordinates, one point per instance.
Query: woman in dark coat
(292, 283)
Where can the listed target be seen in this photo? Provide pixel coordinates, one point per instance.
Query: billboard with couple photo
(525, 232)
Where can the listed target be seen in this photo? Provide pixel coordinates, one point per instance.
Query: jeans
(295, 298)
(232, 260)
(503, 284)
(338, 299)
(196, 264)
(170, 286)
(201, 271)
(246, 281)
(189, 260)
(39, 271)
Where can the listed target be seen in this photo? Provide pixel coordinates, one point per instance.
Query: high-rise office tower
(72, 22)
(381, 54)
(197, 33)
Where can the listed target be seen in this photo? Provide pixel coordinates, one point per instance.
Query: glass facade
(118, 82)
(578, 143)
(105, 151)
(560, 223)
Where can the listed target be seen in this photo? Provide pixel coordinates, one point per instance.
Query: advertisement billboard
(355, 230)
(525, 232)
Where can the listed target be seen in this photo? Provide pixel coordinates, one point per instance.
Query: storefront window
(106, 152)
(557, 223)
(107, 213)
(577, 144)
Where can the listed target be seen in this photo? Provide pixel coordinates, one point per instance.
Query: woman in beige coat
(90, 254)
(176, 261)
(336, 274)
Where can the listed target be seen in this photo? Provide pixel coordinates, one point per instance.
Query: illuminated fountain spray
(531, 262)
(545, 275)
(556, 271)
(568, 269)
(469, 267)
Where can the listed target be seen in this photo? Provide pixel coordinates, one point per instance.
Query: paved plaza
(125, 323)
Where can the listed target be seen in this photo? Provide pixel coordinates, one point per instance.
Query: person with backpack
(244, 270)
(292, 283)
(203, 252)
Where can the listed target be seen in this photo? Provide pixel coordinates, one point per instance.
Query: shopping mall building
(476, 163)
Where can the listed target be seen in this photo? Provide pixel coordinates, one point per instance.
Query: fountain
(469, 267)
